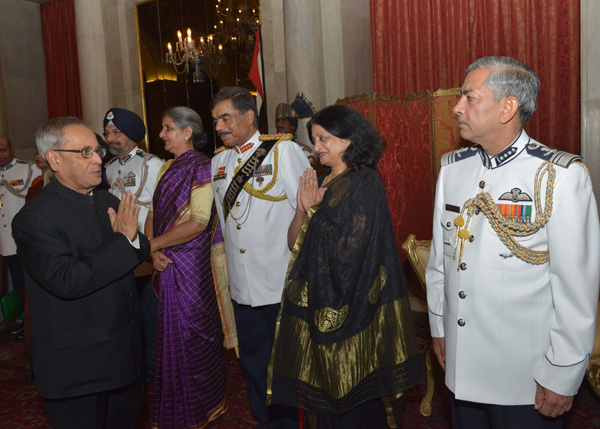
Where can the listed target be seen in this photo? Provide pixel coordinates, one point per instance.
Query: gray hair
(241, 99)
(185, 117)
(510, 78)
(49, 135)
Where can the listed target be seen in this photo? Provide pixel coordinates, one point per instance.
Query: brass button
(242, 250)
(448, 224)
(237, 204)
(462, 294)
(239, 226)
(471, 238)
(461, 322)
(463, 266)
(482, 184)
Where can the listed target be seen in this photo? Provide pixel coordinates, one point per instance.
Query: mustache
(223, 133)
(460, 120)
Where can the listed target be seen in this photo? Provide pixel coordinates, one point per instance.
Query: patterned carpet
(21, 406)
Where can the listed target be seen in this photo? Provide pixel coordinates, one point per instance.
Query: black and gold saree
(344, 334)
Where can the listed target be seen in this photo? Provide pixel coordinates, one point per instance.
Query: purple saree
(190, 370)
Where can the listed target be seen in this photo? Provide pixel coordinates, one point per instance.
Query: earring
(186, 139)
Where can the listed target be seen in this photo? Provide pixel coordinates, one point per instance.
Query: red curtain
(62, 65)
(428, 44)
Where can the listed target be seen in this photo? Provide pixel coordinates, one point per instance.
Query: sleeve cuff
(564, 380)
(136, 242)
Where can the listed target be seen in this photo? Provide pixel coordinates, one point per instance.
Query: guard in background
(286, 120)
(133, 170)
(16, 177)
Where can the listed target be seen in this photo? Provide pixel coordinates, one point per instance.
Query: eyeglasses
(86, 152)
(115, 133)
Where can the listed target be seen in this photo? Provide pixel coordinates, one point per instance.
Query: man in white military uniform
(255, 220)
(514, 268)
(15, 179)
(135, 171)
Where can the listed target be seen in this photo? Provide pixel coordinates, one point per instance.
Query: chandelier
(237, 22)
(200, 53)
(234, 31)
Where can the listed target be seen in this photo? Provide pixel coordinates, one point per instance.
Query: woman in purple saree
(189, 387)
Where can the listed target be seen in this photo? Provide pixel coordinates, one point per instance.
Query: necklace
(331, 177)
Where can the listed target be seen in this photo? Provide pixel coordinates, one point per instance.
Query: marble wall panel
(590, 89)
(22, 74)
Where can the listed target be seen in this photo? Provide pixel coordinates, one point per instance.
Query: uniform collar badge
(124, 160)
(505, 155)
(244, 148)
(9, 166)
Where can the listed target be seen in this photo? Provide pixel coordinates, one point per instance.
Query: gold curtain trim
(354, 99)
(447, 92)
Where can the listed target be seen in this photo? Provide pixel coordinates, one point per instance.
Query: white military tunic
(508, 323)
(257, 252)
(128, 174)
(15, 180)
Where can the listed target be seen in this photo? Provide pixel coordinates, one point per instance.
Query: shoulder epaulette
(266, 137)
(458, 155)
(222, 149)
(113, 160)
(146, 155)
(558, 157)
(21, 161)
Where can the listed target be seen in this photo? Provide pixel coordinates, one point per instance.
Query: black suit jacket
(83, 302)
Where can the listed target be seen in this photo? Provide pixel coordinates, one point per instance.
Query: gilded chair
(593, 370)
(417, 252)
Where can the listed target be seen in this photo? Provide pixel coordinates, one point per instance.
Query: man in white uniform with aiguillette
(255, 210)
(133, 170)
(514, 268)
(15, 179)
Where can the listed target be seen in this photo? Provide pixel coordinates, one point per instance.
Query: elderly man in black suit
(79, 246)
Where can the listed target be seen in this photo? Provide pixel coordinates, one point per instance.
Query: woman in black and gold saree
(345, 347)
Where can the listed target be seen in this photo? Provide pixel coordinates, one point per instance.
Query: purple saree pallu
(190, 369)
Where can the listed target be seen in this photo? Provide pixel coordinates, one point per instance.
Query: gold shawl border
(293, 257)
(338, 368)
